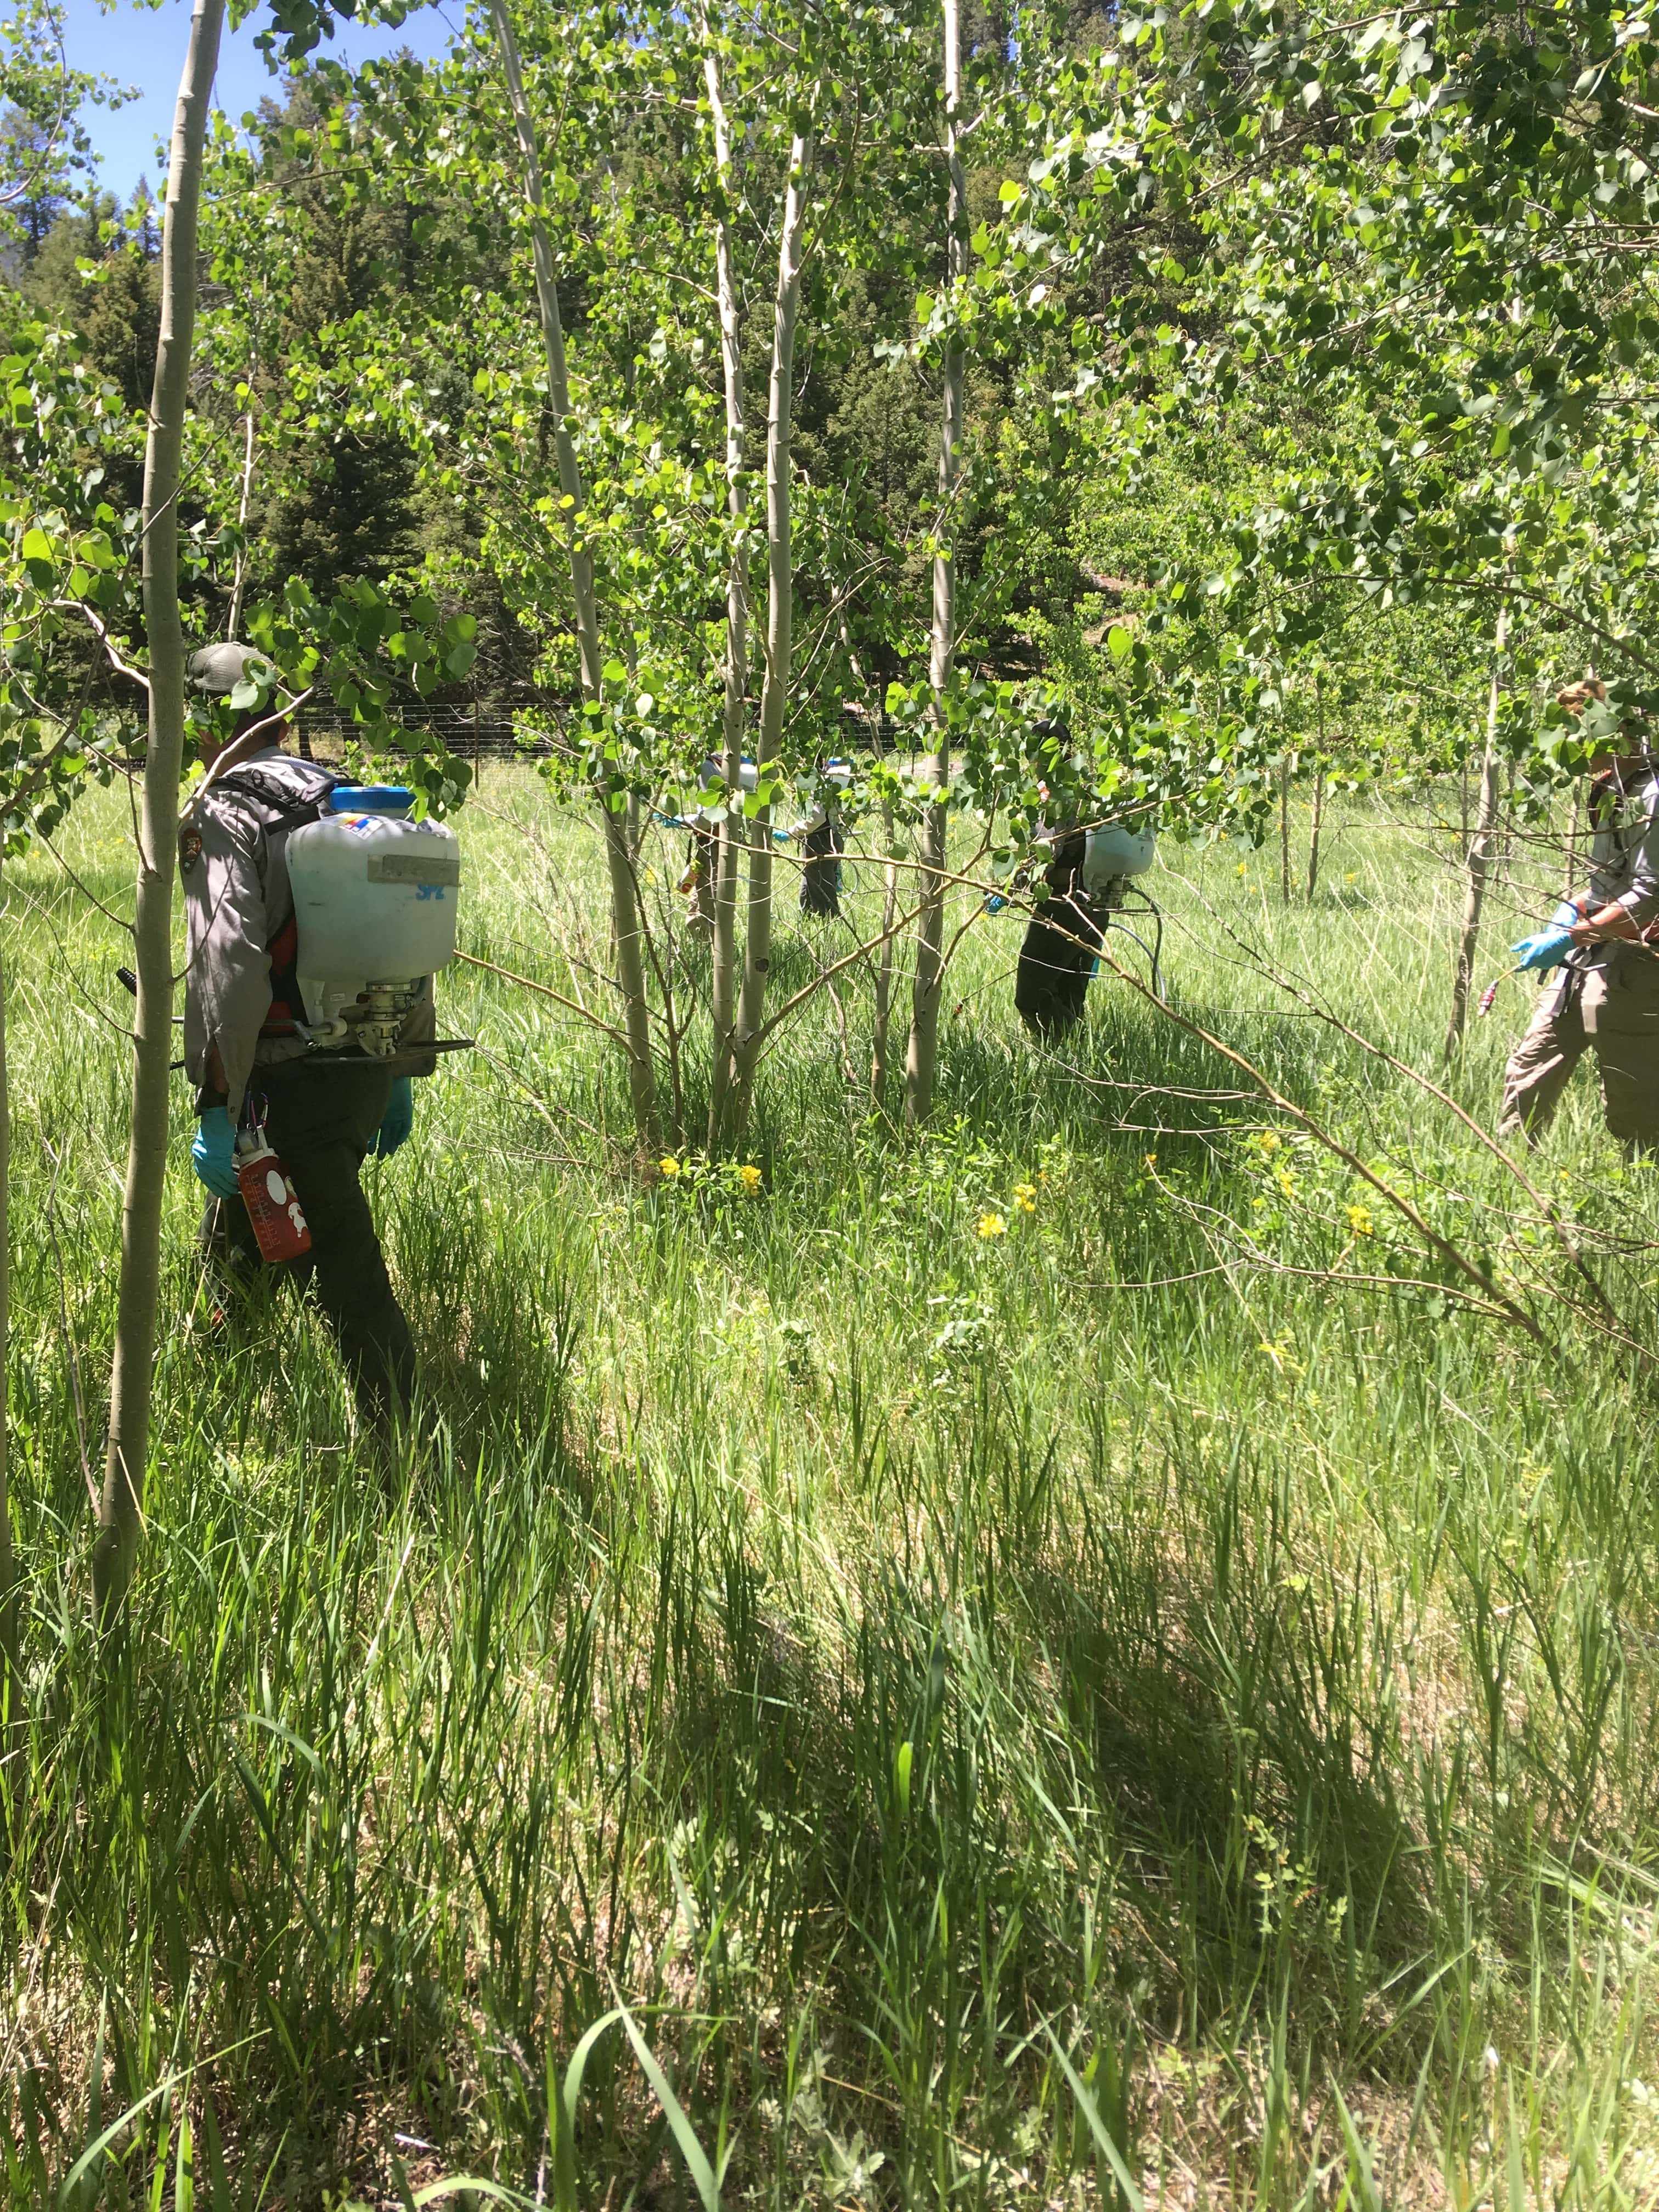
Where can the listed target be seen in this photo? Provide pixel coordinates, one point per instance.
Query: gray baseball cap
(220, 668)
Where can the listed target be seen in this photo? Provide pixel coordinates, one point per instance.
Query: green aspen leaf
(1119, 642)
(36, 546)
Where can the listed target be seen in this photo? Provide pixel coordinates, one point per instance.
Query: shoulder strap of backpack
(282, 810)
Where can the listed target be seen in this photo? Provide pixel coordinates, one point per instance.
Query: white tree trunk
(624, 890)
(884, 968)
(780, 610)
(236, 621)
(121, 1506)
(1481, 847)
(1313, 833)
(723, 980)
(921, 1059)
(1285, 831)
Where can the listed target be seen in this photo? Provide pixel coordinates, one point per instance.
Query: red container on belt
(272, 1207)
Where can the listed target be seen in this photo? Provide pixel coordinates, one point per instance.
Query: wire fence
(483, 732)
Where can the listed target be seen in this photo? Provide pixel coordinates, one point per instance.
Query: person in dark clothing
(1051, 983)
(243, 1052)
(820, 875)
(323, 1126)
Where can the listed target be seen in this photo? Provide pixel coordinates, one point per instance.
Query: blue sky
(145, 47)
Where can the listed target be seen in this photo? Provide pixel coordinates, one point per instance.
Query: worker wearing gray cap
(244, 1049)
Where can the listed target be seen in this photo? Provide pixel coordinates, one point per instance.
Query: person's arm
(1613, 921)
(1627, 917)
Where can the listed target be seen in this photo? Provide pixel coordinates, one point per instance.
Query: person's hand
(213, 1155)
(399, 1119)
(1547, 950)
(1566, 914)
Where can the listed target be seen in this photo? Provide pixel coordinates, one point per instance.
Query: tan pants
(1612, 1009)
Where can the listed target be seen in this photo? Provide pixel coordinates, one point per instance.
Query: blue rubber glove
(1547, 950)
(399, 1119)
(213, 1155)
(1566, 914)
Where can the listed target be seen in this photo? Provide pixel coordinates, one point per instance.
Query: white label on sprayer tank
(442, 867)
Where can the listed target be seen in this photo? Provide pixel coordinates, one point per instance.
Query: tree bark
(120, 1516)
(723, 978)
(884, 970)
(1313, 833)
(1481, 847)
(921, 1059)
(780, 612)
(1285, 831)
(235, 619)
(624, 890)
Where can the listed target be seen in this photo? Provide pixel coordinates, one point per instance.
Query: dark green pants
(321, 1121)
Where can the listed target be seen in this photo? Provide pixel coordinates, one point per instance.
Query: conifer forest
(950, 1499)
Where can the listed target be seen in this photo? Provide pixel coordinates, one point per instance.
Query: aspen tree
(922, 1058)
(723, 980)
(1481, 847)
(619, 859)
(121, 1504)
(780, 610)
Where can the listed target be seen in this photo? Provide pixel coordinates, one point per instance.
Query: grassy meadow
(1058, 1661)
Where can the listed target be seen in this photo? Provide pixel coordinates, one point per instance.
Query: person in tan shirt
(1605, 998)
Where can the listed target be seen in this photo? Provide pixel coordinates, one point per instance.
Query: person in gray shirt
(244, 1053)
(1606, 999)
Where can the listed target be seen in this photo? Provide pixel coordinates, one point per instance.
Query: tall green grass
(986, 1732)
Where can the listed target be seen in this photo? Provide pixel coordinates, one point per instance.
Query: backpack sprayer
(375, 903)
(1088, 881)
(375, 899)
(1112, 854)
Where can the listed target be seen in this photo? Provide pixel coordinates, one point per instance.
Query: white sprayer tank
(375, 897)
(1112, 852)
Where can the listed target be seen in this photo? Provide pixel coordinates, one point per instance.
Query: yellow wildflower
(750, 1177)
(668, 1167)
(1359, 1220)
(992, 1225)
(1286, 1183)
(1269, 1141)
(1242, 866)
(1026, 1197)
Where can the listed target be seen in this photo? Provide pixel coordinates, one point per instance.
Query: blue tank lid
(371, 799)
